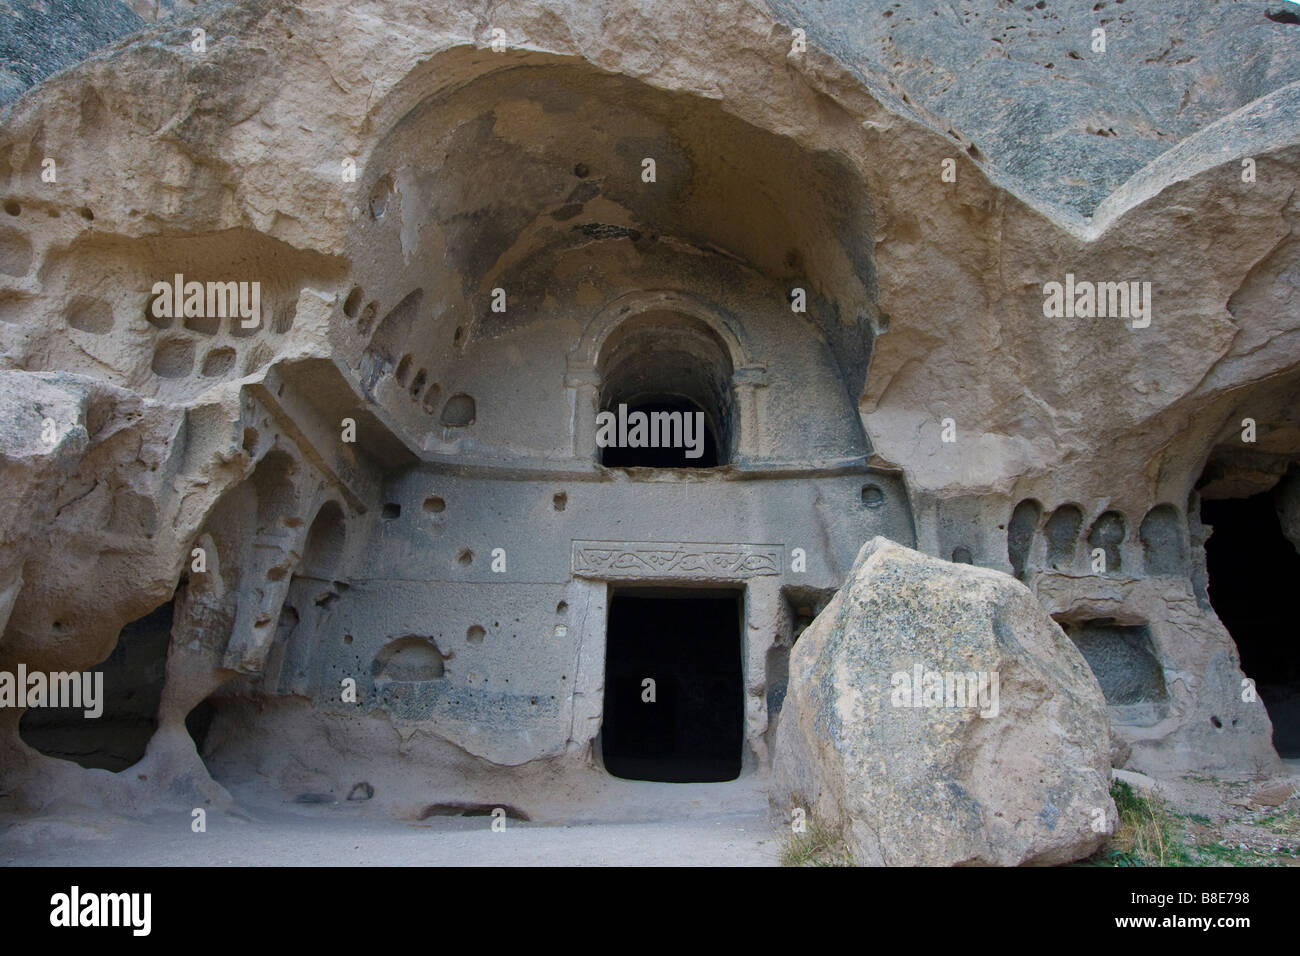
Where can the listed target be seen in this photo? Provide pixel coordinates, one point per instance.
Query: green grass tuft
(819, 845)
(1147, 835)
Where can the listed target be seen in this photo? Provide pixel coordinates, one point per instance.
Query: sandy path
(730, 840)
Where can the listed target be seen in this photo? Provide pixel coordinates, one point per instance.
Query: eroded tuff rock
(40, 37)
(97, 493)
(1003, 764)
(154, 10)
(1030, 85)
(922, 396)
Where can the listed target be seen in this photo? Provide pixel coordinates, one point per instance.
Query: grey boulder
(937, 716)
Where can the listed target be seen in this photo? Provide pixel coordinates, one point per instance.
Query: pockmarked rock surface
(374, 519)
(882, 736)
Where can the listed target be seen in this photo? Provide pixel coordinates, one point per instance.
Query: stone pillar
(264, 582)
(583, 389)
(764, 610)
(587, 615)
(745, 385)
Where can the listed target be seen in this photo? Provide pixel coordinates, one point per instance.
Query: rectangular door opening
(1252, 569)
(674, 696)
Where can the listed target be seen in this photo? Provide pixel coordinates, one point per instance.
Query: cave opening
(674, 700)
(132, 684)
(665, 395)
(1252, 568)
(702, 443)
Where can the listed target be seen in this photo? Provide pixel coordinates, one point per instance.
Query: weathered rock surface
(1020, 777)
(96, 511)
(155, 10)
(40, 37)
(1060, 120)
(520, 169)
(1028, 84)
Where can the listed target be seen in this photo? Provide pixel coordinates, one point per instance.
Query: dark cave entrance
(1253, 571)
(688, 643)
(671, 456)
(133, 676)
(667, 372)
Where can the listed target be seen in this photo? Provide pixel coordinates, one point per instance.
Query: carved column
(745, 385)
(583, 389)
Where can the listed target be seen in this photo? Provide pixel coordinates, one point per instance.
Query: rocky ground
(1211, 822)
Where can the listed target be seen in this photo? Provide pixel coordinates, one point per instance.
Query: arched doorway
(665, 395)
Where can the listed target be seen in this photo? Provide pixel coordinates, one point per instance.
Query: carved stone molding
(695, 561)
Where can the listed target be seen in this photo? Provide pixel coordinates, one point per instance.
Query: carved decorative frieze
(640, 560)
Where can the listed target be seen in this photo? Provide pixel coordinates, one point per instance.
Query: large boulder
(1019, 775)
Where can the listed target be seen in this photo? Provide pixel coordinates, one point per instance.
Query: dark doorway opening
(1253, 572)
(662, 364)
(133, 676)
(670, 455)
(688, 644)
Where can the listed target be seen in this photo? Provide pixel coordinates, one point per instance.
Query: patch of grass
(1245, 854)
(1216, 854)
(1147, 835)
(1285, 824)
(819, 845)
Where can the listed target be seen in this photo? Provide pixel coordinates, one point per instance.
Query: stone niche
(1124, 662)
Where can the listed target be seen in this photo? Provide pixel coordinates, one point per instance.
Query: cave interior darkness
(1253, 570)
(615, 456)
(689, 643)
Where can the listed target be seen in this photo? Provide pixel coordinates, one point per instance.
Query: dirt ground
(1217, 822)
(1210, 822)
(628, 823)
(329, 839)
